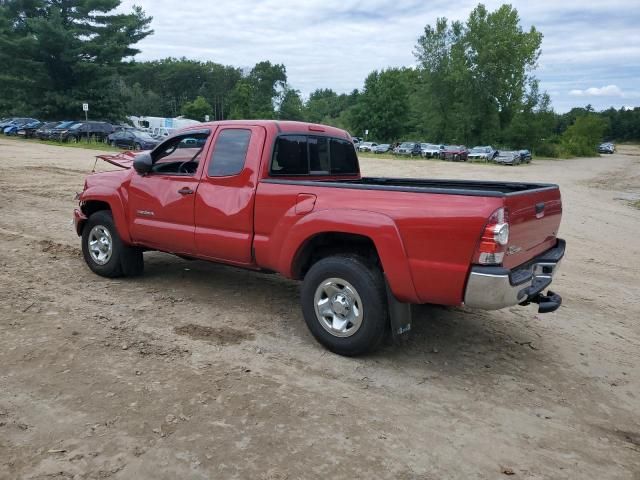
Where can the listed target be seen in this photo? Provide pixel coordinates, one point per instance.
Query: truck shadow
(456, 339)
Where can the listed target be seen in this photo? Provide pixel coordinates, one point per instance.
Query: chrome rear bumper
(493, 288)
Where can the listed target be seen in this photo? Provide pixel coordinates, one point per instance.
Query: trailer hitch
(548, 302)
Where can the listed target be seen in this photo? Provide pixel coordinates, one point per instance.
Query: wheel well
(332, 243)
(92, 206)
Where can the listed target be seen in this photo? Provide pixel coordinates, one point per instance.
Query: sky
(590, 51)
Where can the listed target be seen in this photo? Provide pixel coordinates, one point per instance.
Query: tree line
(473, 82)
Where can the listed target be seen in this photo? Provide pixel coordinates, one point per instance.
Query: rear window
(313, 155)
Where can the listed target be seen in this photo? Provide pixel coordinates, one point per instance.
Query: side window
(343, 157)
(179, 155)
(290, 156)
(229, 153)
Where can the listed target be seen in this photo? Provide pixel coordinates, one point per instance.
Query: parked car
(525, 156)
(364, 248)
(11, 127)
(508, 157)
(432, 150)
(29, 130)
(607, 148)
(382, 148)
(5, 122)
(86, 130)
(366, 146)
(485, 153)
(54, 133)
(132, 139)
(455, 153)
(408, 149)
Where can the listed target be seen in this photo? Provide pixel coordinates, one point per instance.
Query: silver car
(508, 157)
(482, 153)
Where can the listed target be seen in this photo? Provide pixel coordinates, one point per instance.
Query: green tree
(255, 95)
(291, 107)
(67, 52)
(582, 138)
(197, 109)
(383, 107)
(475, 76)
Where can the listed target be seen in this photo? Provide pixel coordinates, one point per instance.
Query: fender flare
(117, 206)
(380, 228)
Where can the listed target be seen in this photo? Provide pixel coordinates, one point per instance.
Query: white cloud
(336, 43)
(607, 91)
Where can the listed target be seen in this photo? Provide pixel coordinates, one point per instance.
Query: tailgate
(534, 219)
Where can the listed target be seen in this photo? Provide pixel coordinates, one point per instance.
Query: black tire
(368, 281)
(124, 260)
(137, 146)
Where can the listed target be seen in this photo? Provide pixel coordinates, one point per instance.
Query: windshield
(479, 150)
(407, 145)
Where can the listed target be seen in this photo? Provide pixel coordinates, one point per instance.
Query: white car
(367, 146)
(431, 150)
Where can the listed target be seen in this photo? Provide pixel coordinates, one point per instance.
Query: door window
(179, 155)
(229, 153)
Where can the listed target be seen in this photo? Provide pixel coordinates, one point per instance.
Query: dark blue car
(12, 127)
(132, 139)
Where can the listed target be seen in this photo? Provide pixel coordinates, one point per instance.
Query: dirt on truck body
(198, 370)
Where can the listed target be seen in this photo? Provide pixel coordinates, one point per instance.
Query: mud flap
(399, 317)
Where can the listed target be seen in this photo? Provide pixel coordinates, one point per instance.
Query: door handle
(185, 191)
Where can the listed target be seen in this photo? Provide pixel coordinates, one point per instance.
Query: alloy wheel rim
(100, 244)
(338, 307)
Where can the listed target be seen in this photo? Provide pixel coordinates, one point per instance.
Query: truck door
(224, 202)
(161, 203)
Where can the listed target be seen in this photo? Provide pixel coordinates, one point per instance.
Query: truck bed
(452, 187)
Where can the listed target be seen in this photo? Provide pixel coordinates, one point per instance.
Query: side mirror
(143, 163)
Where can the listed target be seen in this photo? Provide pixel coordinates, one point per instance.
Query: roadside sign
(206, 118)
(85, 107)
(366, 132)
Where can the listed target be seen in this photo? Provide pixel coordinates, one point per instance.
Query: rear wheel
(344, 304)
(137, 146)
(104, 252)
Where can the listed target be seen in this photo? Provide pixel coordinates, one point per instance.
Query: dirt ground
(198, 371)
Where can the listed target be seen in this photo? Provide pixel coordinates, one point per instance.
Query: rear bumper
(493, 288)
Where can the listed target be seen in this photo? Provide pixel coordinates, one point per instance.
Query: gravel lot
(198, 371)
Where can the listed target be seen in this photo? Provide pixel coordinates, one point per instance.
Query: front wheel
(104, 252)
(344, 304)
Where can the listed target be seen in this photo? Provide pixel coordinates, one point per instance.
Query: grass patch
(87, 145)
(91, 145)
(635, 204)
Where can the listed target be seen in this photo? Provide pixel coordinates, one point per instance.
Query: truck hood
(122, 160)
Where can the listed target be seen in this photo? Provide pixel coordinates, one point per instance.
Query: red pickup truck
(288, 197)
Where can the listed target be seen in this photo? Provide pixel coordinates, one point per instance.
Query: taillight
(494, 239)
